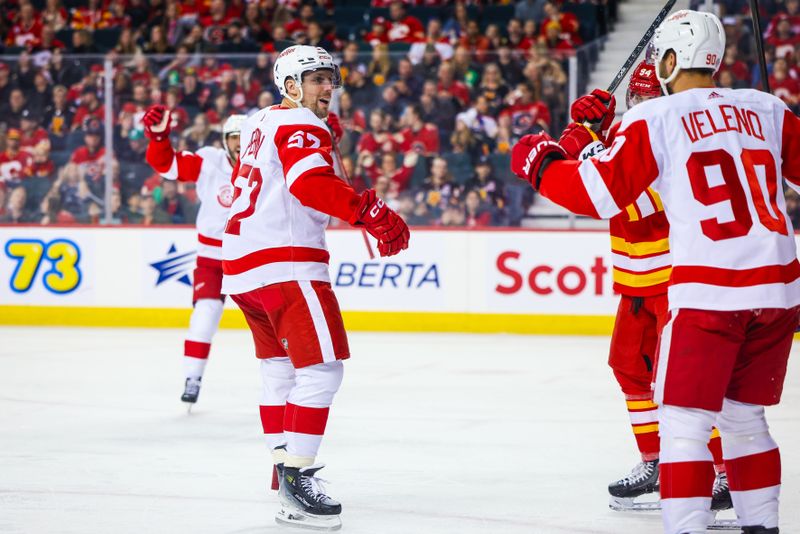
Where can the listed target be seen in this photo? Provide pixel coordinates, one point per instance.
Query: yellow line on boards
(354, 320)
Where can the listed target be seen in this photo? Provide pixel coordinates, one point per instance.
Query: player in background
(210, 168)
(642, 264)
(714, 156)
(275, 264)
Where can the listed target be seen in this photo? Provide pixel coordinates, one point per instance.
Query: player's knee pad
(278, 377)
(684, 433)
(316, 385)
(744, 429)
(205, 320)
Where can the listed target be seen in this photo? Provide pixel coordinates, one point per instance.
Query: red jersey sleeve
(182, 166)
(305, 153)
(790, 148)
(602, 186)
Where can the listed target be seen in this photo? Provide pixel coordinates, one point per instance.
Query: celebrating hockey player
(714, 156)
(210, 168)
(641, 258)
(275, 265)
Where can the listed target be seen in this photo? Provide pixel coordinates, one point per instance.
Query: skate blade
(623, 504)
(189, 406)
(293, 518)
(725, 524)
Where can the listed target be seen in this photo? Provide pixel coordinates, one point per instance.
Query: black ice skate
(642, 481)
(721, 501)
(191, 391)
(304, 503)
(759, 530)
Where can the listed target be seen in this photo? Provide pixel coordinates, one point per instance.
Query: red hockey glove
(382, 223)
(531, 155)
(580, 142)
(335, 125)
(156, 123)
(598, 107)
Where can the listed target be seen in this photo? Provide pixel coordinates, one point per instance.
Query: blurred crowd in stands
(435, 94)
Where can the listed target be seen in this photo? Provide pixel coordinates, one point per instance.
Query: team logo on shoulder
(225, 196)
(256, 139)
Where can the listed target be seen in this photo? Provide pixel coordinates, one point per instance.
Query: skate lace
(720, 484)
(642, 471)
(192, 386)
(313, 487)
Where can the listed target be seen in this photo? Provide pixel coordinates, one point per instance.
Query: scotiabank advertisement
(481, 272)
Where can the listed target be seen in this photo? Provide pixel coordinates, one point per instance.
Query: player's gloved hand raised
(532, 154)
(156, 122)
(580, 142)
(335, 125)
(382, 223)
(597, 108)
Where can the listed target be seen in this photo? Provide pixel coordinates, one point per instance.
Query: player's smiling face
(317, 91)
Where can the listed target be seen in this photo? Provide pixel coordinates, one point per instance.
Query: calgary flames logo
(256, 138)
(225, 196)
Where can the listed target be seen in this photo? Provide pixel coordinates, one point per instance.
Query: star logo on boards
(176, 265)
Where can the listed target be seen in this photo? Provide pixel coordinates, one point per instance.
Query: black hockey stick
(762, 60)
(648, 35)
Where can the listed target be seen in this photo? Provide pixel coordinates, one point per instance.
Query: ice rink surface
(434, 433)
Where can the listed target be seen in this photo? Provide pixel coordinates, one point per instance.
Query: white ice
(436, 433)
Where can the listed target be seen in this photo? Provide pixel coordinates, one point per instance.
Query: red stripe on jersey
(305, 420)
(210, 241)
(274, 255)
(196, 349)
(756, 471)
(641, 272)
(684, 480)
(718, 276)
(272, 419)
(640, 257)
(210, 263)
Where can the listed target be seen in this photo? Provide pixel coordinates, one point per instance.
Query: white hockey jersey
(211, 170)
(285, 190)
(715, 156)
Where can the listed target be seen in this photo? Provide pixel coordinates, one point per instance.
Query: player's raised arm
(183, 166)
(790, 149)
(599, 187)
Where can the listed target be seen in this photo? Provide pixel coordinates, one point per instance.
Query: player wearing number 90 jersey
(714, 156)
(275, 265)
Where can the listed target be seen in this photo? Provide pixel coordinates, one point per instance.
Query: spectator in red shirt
(404, 27)
(478, 214)
(568, 23)
(448, 85)
(475, 41)
(791, 11)
(784, 39)
(738, 68)
(378, 32)
(297, 27)
(26, 29)
(15, 164)
(47, 41)
(782, 85)
(418, 136)
(90, 107)
(91, 155)
(42, 166)
(377, 138)
(553, 37)
(214, 24)
(31, 134)
(397, 179)
(524, 113)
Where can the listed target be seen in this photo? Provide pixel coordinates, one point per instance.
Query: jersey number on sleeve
(254, 181)
(732, 191)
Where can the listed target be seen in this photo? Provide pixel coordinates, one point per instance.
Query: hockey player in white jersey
(275, 264)
(715, 157)
(210, 169)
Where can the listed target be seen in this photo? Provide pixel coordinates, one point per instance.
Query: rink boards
(554, 282)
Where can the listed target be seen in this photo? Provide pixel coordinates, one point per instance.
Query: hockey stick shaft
(762, 60)
(648, 35)
(338, 154)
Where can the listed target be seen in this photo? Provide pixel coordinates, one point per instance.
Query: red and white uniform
(16, 167)
(274, 233)
(715, 157)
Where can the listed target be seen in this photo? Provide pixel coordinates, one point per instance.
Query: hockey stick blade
(640, 46)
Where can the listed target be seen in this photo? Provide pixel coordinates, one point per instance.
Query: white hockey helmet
(233, 125)
(697, 38)
(299, 59)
